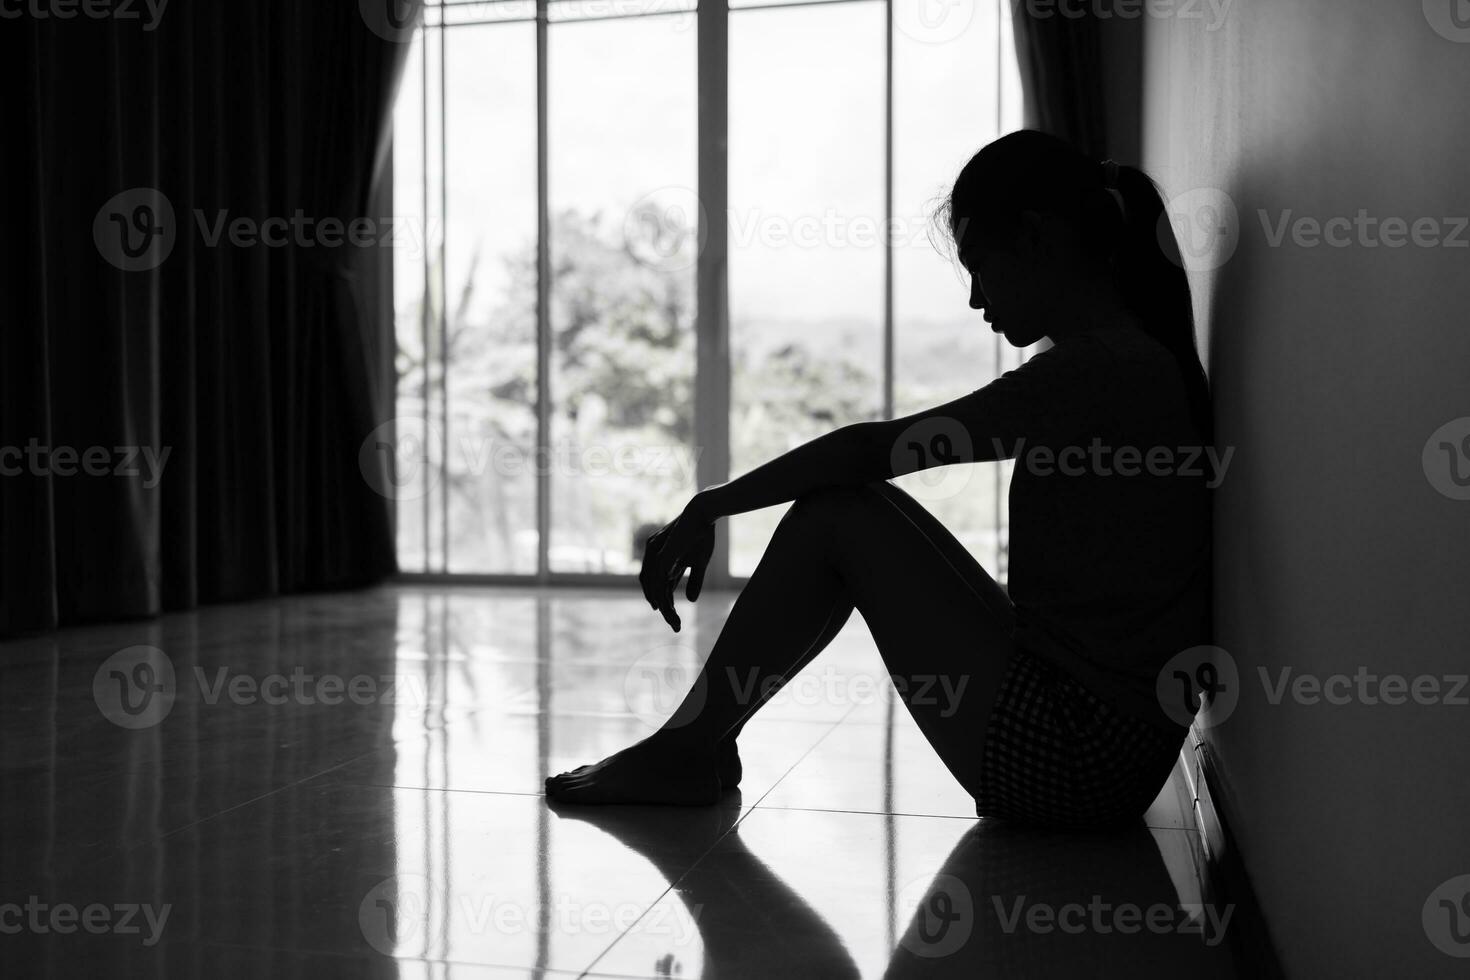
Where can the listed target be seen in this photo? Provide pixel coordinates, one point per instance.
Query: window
(552, 401)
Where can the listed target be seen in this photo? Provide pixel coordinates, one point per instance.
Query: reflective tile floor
(349, 785)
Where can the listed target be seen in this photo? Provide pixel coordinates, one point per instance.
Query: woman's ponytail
(1150, 275)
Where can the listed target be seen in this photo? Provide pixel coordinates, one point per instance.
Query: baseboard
(1225, 880)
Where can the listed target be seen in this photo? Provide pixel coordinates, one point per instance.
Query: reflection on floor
(350, 785)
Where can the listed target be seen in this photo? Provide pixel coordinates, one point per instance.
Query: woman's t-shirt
(1109, 510)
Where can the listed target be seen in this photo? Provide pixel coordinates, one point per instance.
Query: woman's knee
(882, 504)
(837, 502)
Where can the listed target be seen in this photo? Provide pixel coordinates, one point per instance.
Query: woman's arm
(686, 543)
(839, 458)
(863, 452)
(987, 424)
(1052, 393)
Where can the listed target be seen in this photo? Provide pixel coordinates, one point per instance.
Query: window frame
(712, 376)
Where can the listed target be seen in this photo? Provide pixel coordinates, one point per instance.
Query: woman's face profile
(1000, 288)
(1021, 282)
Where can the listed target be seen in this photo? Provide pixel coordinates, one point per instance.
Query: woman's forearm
(842, 457)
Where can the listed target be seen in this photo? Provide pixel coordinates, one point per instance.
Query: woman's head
(1050, 236)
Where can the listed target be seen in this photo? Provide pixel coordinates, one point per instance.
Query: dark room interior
(988, 479)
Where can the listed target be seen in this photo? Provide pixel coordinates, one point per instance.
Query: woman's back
(1109, 511)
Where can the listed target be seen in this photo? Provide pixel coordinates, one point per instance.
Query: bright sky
(806, 142)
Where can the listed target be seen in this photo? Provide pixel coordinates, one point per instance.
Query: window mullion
(712, 294)
(543, 309)
(888, 406)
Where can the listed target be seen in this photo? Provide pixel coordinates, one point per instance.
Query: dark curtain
(259, 370)
(1058, 53)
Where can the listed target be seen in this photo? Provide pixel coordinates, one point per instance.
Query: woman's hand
(686, 542)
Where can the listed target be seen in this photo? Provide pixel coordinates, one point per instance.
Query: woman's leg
(939, 621)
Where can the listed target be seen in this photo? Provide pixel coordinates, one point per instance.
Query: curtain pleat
(1058, 55)
(256, 369)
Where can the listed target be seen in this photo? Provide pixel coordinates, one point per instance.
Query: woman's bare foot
(659, 769)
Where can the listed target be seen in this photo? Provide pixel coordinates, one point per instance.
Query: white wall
(1331, 368)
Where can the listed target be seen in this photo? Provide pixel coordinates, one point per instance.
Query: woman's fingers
(648, 576)
(703, 551)
(670, 584)
(645, 580)
(696, 580)
(666, 556)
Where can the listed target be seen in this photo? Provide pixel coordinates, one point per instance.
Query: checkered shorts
(1057, 755)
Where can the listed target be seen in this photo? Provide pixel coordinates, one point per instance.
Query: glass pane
(621, 168)
(955, 89)
(490, 283)
(414, 472)
(806, 251)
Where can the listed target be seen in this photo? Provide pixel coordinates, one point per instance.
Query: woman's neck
(1088, 309)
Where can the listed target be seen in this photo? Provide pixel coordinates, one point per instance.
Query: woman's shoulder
(1115, 351)
(1138, 359)
(1127, 369)
(1118, 360)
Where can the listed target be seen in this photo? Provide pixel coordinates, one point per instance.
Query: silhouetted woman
(1041, 702)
